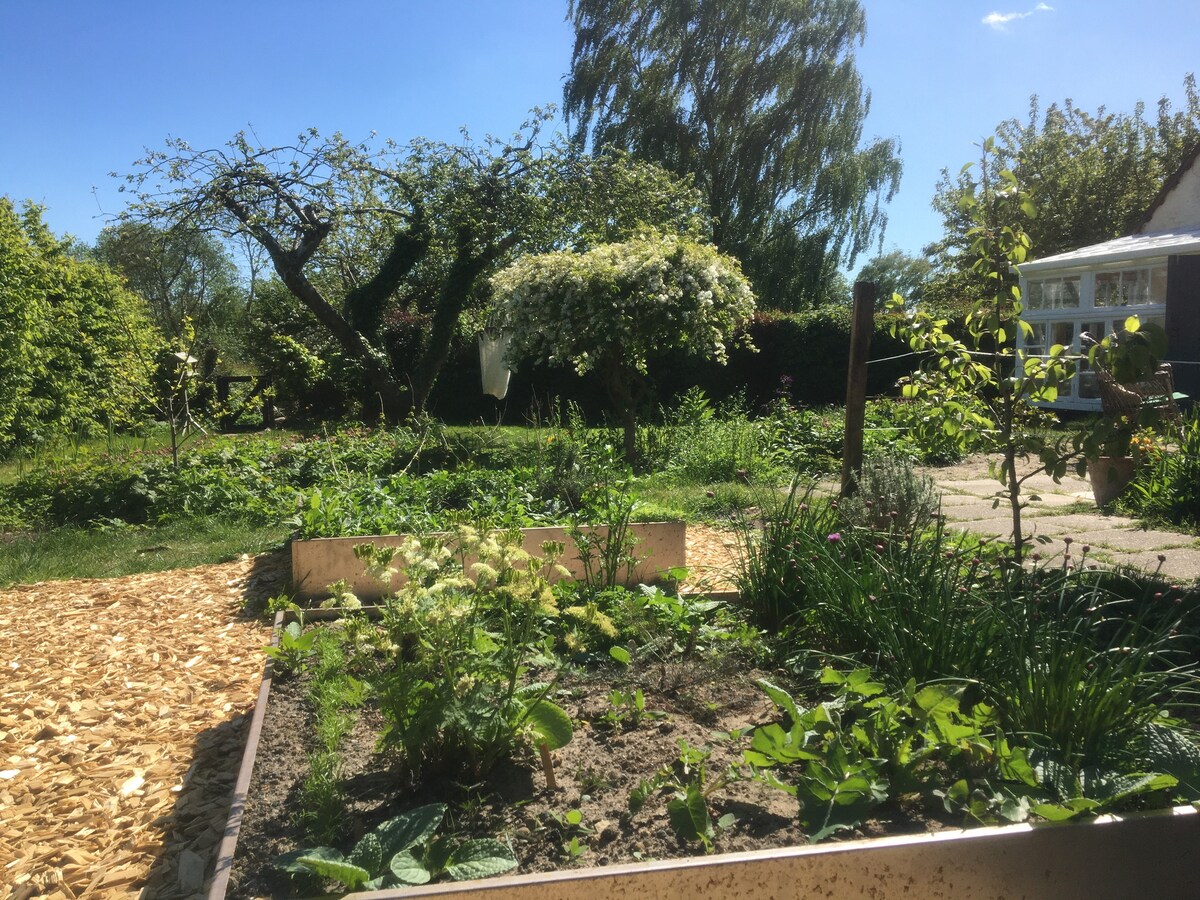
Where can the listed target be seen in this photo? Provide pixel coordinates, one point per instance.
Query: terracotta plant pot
(1109, 475)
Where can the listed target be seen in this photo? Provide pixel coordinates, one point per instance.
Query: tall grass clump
(777, 551)
(1089, 661)
(895, 599)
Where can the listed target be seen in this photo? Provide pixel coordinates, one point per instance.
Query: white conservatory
(1153, 273)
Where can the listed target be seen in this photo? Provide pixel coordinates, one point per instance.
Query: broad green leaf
(1168, 750)
(1122, 787)
(859, 682)
(481, 858)
(550, 723)
(329, 863)
(289, 862)
(1015, 808)
(1060, 812)
(689, 816)
(368, 853)
(780, 698)
(770, 745)
(410, 829)
(620, 654)
(408, 869)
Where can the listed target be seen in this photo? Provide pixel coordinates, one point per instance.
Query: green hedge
(803, 356)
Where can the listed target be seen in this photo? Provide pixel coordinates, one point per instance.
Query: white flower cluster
(624, 302)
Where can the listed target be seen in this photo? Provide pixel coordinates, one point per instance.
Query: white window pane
(1071, 293)
(1158, 284)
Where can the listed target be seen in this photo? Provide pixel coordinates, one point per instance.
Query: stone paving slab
(1182, 564)
(950, 501)
(1051, 502)
(967, 497)
(1137, 540)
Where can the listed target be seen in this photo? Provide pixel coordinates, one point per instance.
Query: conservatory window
(1053, 293)
(1046, 334)
(1131, 287)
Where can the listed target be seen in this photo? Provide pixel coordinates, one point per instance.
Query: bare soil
(697, 703)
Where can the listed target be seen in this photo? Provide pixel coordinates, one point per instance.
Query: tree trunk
(289, 265)
(619, 381)
(390, 392)
(452, 300)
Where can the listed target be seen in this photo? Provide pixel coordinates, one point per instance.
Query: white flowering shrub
(614, 307)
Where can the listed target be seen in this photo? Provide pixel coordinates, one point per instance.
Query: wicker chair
(1154, 392)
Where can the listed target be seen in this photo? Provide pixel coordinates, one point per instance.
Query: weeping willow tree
(761, 103)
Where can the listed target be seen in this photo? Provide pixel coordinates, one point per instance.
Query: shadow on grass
(72, 552)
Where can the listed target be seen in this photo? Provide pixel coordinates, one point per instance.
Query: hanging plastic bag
(493, 345)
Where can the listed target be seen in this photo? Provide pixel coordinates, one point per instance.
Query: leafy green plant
(333, 693)
(573, 831)
(988, 368)
(607, 506)
(663, 626)
(1167, 486)
(846, 756)
(627, 708)
(465, 627)
(688, 783)
(403, 851)
(294, 647)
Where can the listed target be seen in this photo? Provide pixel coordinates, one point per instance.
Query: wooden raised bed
(320, 562)
(1135, 855)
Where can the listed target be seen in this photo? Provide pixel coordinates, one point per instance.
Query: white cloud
(999, 20)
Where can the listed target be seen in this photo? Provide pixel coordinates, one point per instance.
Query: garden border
(319, 562)
(1111, 856)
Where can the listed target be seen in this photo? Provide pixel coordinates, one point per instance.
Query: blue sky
(88, 85)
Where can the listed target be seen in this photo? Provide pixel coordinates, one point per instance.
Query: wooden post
(862, 324)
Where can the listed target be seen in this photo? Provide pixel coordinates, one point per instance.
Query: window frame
(1087, 312)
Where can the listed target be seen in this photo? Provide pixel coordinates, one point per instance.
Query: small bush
(893, 497)
(1167, 487)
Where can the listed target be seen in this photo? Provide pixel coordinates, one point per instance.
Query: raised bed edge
(233, 825)
(319, 562)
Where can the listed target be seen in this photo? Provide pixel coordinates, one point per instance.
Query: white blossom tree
(616, 306)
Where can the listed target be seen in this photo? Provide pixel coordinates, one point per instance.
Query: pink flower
(834, 538)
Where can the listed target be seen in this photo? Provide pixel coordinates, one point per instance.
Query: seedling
(295, 646)
(689, 785)
(627, 709)
(570, 825)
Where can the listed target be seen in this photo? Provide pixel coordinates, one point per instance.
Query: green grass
(90, 553)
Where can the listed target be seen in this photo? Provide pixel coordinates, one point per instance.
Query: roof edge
(1169, 185)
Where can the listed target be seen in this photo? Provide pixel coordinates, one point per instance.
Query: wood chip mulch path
(124, 705)
(123, 708)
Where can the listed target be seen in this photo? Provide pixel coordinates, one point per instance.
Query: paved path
(1063, 510)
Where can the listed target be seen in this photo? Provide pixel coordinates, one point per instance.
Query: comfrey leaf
(410, 829)
(480, 859)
